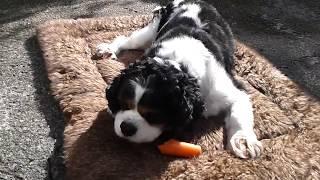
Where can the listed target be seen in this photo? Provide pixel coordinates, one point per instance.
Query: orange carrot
(181, 149)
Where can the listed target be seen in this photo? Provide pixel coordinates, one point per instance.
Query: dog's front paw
(244, 145)
(112, 49)
(105, 49)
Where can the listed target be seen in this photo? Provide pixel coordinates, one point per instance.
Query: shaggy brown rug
(286, 118)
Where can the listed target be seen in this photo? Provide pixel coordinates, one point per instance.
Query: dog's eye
(126, 105)
(153, 117)
(148, 115)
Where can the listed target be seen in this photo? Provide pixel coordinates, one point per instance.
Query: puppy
(184, 74)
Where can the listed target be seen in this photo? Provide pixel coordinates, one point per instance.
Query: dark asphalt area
(286, 32)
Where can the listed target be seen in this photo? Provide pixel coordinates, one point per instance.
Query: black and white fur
(184, 74)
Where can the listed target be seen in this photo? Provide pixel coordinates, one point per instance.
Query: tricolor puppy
(184, 74)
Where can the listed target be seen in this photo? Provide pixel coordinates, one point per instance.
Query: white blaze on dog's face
(132, 126)
(129, 124)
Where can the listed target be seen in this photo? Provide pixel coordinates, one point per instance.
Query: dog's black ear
(187, 105)
(192, 100)
(189, 101)
(193, 94)
(112, 95)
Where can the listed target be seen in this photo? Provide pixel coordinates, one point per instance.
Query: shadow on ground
(49, 107)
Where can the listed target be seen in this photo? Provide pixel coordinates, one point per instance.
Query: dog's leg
(222, 94)
(242, 140)
(139, 39)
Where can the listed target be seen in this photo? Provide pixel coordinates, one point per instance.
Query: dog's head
(149, 98)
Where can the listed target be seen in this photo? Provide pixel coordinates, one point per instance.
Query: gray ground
(287, 32)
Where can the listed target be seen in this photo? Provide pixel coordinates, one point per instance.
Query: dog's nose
(127, 128)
